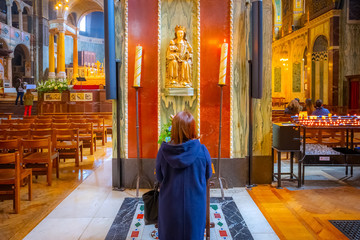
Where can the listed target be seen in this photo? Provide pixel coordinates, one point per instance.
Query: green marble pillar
(262, 135)
(120, 104)
(240, 84)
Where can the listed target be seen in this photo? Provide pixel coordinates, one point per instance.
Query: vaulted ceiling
(78, 9)
(84, 7)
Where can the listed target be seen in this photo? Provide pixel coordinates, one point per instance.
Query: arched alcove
(21, 65)
(27, 20)
(3, 11)
(15, 15)
(276, 7)
(319, 70)
(71, 18)
(3, 44)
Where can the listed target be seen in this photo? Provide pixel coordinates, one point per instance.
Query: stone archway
(15, 14)
(3, 44)
(6, 62)
(21, 64)
(3, 10)
(27, 20)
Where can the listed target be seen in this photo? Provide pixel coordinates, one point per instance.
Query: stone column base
(61, 75)
(52, 75)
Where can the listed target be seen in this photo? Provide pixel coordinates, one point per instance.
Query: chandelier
(62, 5)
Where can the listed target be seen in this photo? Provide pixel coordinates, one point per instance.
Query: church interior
(89, 94)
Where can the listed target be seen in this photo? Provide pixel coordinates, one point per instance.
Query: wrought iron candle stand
(140, 173)
(218, 163)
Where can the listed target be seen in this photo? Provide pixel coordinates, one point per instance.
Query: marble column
(61, 55)
(333, 75)
(20, 20)
(51, 56)
(334, 61)
(57, 54)
(75, 57)
(8, 14)
(9, 72)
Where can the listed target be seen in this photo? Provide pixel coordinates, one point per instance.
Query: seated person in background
(320, 110)
(301, 107)
(309, 106)
(293, 107)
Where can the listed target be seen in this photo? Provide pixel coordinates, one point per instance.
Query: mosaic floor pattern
(129, 222)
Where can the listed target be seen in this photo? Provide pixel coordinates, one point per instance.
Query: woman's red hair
(183, 128)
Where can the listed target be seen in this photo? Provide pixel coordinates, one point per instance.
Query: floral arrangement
(165, 134)
(53, 85)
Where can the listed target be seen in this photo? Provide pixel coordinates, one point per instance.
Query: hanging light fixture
(62, 5)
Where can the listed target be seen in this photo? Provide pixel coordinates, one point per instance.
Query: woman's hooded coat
(182, 170)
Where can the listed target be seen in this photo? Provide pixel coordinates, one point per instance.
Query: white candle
(223, 64)
(137, 70)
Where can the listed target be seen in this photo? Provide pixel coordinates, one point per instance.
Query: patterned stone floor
(129, 223)
(90, 210)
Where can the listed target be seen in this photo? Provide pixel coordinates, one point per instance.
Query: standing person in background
(20, 91)
(183, 166)
(29, 101)
(309, 106)
(320, 110)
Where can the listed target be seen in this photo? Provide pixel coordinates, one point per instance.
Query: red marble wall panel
(143, 30)
(215, 27)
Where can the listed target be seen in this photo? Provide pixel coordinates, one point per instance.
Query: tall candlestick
(137, 71)
(223, 64)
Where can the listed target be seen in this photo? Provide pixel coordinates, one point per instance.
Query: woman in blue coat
(182, 167)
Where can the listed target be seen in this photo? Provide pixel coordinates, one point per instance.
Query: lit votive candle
(137, 70)
(223, 64)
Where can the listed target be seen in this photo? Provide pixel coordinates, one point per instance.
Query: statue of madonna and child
(179, 61)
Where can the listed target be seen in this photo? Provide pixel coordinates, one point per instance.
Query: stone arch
(277, 18)
(27, 20)
(3, 9)
(15, 12)
(25, 49)
(93, 29)
(3, 44)
(21, 64)
(71, 18)
(82, 16)
(18, 3)
(320, 44)
(298, 49)
(305, 54)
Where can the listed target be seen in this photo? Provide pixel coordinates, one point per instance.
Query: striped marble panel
(326, 89)
(121, 103)
(349, 51)
(277, 79)
(184, 13)
(240, 73)
(296, 77)
(262, 137)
